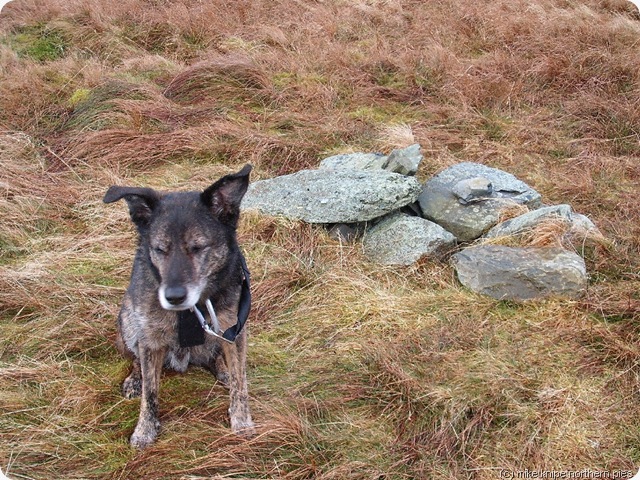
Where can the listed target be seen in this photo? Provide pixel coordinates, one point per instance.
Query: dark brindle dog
(187, 262)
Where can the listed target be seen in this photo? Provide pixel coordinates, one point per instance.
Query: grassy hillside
(356, 371)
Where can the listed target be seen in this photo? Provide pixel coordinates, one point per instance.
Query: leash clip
(214, 320)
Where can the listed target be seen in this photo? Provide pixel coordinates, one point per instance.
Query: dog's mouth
(178, 298)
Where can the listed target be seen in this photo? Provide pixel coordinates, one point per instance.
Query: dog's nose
(175, 295)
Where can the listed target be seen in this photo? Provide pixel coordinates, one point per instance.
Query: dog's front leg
(148, 424)
(235, 356)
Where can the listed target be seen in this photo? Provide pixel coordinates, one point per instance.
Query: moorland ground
(356, 371)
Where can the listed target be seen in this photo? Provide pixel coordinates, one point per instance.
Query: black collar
(190, 331)
(244, 306)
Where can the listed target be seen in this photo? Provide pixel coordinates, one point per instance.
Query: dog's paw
(223, 378)
(244, 428)
(144, 434)
(131, 387)
(141, 441)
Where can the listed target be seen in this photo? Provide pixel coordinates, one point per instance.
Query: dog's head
(188, 235)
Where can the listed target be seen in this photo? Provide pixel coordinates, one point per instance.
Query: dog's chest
(160, 330)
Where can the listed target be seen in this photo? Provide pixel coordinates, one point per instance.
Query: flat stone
(354, 161)
(403, 160)
(530, 220)
(469, 221)
(512, 273)
(579, 230)
(401, 239)
(332, 196)
(472, 189)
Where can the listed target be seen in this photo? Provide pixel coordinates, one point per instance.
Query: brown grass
(224, 78)
(356, 371)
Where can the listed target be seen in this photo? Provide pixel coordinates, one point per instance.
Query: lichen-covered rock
(354, 161)
(469, 220)
(530, 220)
(578, 230)
(402, 160)
(521, 273)
(332, 196)
(403, 239)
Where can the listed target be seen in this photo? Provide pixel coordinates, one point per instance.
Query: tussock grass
(357, 371)
(222, 78)
(396, 136)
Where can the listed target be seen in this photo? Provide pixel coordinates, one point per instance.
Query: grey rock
(405, 160)
(355, 161)
(332, 196)
(579, 229)
(582, 228)
(469, 221)
(583, 233)
(472, 189)
(511, 273)
(530, 220)
(584, 223)
(401, 239)
(466, 222)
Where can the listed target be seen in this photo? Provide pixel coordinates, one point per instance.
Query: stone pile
(377, 198)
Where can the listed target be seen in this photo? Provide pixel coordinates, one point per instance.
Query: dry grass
(396, 136)
(220, 79)
(356, 371)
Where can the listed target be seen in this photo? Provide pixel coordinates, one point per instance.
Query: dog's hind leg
(239, 414)
(148, 424)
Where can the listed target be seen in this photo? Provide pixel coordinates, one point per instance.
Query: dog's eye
(194, 249)
(159, 251)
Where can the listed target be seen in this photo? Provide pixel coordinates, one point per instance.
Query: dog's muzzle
(179, 297)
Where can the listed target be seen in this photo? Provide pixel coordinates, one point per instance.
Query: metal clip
(214, 320)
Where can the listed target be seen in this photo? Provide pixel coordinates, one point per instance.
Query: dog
(187, 262)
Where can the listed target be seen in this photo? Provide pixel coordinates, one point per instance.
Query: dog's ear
(141, 201)
(224, 196)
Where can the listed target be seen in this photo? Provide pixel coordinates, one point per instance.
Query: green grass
(40, 42)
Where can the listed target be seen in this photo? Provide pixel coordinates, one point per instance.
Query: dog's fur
(187, 253)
